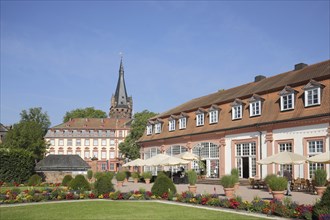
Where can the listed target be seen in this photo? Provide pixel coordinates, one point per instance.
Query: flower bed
(286, 208)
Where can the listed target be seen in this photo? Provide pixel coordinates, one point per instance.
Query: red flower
(91, 196)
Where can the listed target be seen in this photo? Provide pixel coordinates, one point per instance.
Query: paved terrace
(246, 192)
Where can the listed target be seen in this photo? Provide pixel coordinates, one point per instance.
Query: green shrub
(269, 177)
(103, 185)
(109, 174)
(147, 175)
(120, 176)
(80, 183)
(16, 165)
(66, 180)
(278, 183)
(320, 177)
(135, 175)
(128, 174)
(97, 175)
(34, 180)
(192, 177)
(162, 185)
(89, 174)
(228, 181)
(234, 172)
(323, 206)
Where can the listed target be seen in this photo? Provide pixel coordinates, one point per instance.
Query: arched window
(175, 150)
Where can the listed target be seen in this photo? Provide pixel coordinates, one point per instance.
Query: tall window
(171, 125)
(78, 142)
(95, 154)
(246, 150)
(69, 142)
(103, 154)
(182, 123)
(112, 142)
(255, 108)
(112, 154)
(315, 147)
(236, 112)
(158, 128)
(214, 116)
(60, 142)
(200, 119)
(86, 142)
(120, 133)
(86, 153)
(103, 166)
(285, 146)
(95, 142)
(52, 142)
(104, 142)
(149, 129)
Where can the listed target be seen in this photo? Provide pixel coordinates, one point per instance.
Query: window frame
(158, 128)
(254, 108)
(200, 118)
(235, 110)
(318, 89)
(292, 101)
(171, 125)
(183, 123)
(213, 116)
(149, 129)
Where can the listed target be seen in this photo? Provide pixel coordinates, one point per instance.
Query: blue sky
(63, 55)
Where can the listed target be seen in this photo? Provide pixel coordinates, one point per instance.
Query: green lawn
(112, 210)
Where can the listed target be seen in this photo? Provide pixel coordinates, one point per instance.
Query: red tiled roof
(267, 89)
(94, 123)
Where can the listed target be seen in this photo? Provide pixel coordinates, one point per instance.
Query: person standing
(287, 174)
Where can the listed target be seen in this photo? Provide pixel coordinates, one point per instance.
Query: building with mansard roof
(96, 140)
(235, 128)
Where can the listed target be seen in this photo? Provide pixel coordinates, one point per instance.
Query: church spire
(121, 104)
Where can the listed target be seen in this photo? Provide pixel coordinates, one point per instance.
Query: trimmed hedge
(34, 180)
(80, 183)
(322, 207)
(66, 180)
(16, 165)
(103, 185)
(162, 185)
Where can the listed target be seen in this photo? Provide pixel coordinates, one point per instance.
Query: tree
(129, 147)
(36, 115)
(27, 135)
(88, 112)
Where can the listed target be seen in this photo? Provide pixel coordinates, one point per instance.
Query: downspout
(260, 147)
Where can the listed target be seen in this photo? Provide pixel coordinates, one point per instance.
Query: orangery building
(235, 128)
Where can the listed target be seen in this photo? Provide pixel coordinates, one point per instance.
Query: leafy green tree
(27, 135)
(88, 112)
(36, 115)
(129, 147)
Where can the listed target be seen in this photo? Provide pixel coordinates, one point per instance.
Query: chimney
(259, 78)
(300, 66)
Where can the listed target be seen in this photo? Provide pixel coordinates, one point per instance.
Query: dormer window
(171, 123)
(158, 126)
(182, 118)
(200, 117)
(149, 129)
(213, 114)
(237, 109)
(312, 93)
(287, 98)
(255, 105)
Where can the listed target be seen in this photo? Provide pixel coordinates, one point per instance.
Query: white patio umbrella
(320, 158)
(173, 161)
(155, 160)
(187, 156)
(284, 157)
(137, 162)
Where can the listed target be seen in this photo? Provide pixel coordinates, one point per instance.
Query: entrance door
(245, 167)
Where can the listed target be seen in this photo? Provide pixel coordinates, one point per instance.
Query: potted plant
(135, 176)
(234, 172)
(228, 183)
(120, 177)
(278, 185)
(320, 181)
(192, 179)
(267, 179)
(147, 176)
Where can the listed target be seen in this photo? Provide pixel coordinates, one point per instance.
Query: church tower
(121, 104)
